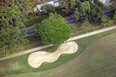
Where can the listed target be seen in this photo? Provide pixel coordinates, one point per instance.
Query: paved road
(109, 12)
(70, 20)
(70, 39)
(30, 30)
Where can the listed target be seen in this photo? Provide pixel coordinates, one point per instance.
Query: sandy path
(37, 58)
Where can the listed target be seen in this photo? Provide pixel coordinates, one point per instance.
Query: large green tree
(84, 9)
(6, 2)
(25, 7)
(95, 12)
(68, 5)
(19, 3)
(10, 23)
(53, 30)
(89, 11)
(100, 4)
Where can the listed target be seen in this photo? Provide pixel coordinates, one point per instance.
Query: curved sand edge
(37, 58)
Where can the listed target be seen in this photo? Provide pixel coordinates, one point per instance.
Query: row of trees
(88, 10)
(55, 29)
(52, 30)
(11, 14)
(24, 6)
(10, 24)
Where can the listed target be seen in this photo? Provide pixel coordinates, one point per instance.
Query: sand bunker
(37, 58)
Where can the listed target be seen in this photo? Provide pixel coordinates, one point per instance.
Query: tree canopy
(95, 13)
(84, 10)
(10, 23)
(53, 30)
(89, 11)
(113, 6)
(68, 5)
(76, 14)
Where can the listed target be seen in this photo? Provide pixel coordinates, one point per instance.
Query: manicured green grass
(21, 63)
(98, 60)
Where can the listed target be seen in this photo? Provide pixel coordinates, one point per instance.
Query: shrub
(106, 20)
(85, 25)
(73, 28)
(115, 15)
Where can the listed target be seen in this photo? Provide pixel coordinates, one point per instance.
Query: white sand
(37, 58)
